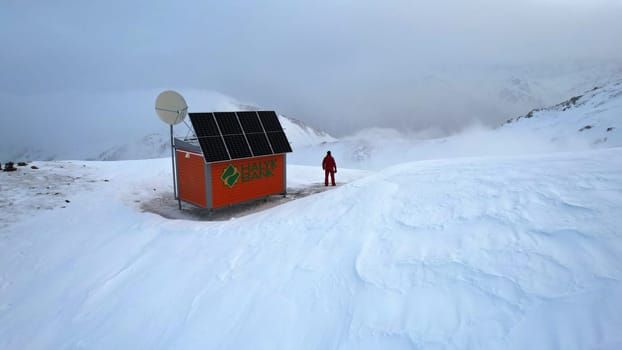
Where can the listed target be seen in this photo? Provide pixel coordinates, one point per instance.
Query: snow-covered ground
(491, 239)
(471, 253)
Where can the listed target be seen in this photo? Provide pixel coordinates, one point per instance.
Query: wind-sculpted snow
(472, 253)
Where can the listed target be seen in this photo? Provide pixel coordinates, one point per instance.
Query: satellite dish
(171, 107)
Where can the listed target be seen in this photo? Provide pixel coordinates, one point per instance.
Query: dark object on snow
(568, 104)
(22, 164)
(66, 200)
(34, 167)
(573, 100)
(9, 167)
(587, 127)
(0, 166)
(610, 128)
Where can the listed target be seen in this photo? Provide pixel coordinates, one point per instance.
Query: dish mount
(172, 109)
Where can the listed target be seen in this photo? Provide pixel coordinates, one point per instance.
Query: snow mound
(473, 253)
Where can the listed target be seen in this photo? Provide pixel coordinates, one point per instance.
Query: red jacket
(329, 163)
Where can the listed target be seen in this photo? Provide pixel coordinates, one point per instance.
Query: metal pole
(173, 166)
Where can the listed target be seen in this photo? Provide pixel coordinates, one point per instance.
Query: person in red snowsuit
(330, 167)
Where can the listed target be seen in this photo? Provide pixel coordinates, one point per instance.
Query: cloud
(338, 65)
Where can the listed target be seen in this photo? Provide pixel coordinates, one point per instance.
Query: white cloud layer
(338, 65)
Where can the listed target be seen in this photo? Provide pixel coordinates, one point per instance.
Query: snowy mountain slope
(594, 117)
(85, 124)
(114, 126)
(301, 135)
(157, 145)
(49, 125)
(376, 149)
(473, 253)
(590, 120)
(453, 98)
(540, 86)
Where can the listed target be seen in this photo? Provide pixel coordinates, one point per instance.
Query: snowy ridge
(594, 117)
(542, 86)
(157, 145)
(111, 122)
(114, 125)
(590, 120)
(474, 253)
(151, 146)
(302, 135)
(135, 133)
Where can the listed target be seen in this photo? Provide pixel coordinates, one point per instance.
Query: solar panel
(250, 122)
(270, 121)
(237, 146)
(204, 124)
(259, 144)
(279, 142)
(234, 135)
(228, 123)
(213, 148)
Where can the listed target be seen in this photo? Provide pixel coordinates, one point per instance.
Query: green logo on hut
(249, 172)
(230, 176)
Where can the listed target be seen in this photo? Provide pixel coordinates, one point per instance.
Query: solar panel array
(234, 135)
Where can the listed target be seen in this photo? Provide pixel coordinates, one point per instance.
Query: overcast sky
(338, 65)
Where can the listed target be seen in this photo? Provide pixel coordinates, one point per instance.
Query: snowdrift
(474, 253)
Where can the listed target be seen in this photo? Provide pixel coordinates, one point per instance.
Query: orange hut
(234, 157)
